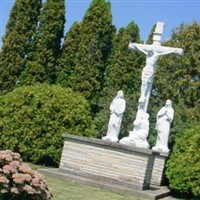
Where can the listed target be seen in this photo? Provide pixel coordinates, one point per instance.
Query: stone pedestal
(159, 169)
(107, 162)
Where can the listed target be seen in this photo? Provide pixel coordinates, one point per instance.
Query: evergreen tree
(42, 61)
(123, 72)
(94, 44)
(150, 37)
(16, 42)
(68, 55)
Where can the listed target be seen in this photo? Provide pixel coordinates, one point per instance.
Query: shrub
(183, 167)
(18, 181)
(33, 119)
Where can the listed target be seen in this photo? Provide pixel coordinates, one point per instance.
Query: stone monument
(152, 52)
(117, 108)
(124, 166)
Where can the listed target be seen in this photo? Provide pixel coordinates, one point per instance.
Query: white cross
(152, 52)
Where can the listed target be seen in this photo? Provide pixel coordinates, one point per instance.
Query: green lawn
(68, 190)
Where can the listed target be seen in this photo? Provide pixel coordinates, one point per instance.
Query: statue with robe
(117, 108)
(164, 118)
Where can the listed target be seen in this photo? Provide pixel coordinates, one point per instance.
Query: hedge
(33, 119)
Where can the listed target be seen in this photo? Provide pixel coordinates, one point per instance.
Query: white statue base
(137, 142)
(110, 139)
(160, 149)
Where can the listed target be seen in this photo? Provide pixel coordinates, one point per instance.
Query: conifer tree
(123, 72)
(150, 37)
(42, 61)
(96, 31)
(68, 55)
(16, 42)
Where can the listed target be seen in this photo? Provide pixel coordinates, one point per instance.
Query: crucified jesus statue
(140, 132)
(152, 52)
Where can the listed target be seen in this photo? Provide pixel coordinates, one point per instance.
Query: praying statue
(117, 108)
(164, 118)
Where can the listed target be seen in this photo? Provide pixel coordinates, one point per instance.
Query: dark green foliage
(123, 72)
(68, 55)
(16, 42)
(42, 60)
(33, 119)
(183, 167)
(94, 44)
(194, 114)
(189, 74)
(185, 70)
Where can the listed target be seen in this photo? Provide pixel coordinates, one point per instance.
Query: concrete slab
(153, 193)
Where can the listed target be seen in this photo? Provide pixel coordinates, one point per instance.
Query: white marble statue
(152, 52)
(148, 71)
(140, 132)
(117, 108)
(138, 137)
(164, 118)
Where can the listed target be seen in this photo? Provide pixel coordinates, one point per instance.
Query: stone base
(158, 177)
(112, 165)
(154, 192)
(107, 161)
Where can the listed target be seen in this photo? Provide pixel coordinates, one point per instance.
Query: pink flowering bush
(18, 181)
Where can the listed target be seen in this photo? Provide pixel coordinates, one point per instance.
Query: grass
(68, 190)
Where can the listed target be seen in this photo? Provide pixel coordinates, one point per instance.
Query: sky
(145, 13)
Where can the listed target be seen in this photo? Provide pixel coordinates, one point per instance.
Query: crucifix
(152, 52)
(138, 136)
